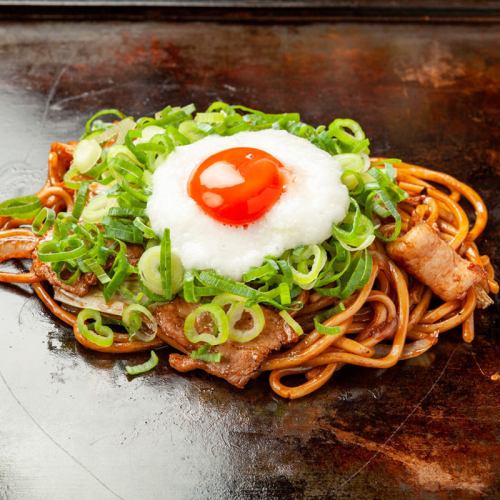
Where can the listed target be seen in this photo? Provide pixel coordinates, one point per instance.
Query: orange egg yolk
(237, 186)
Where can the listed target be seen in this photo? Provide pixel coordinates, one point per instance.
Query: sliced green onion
(86, 155)
(55, 251)
(286, 271)
(219, 319)
(149, 271)
(70, 180)
(326, 330)
(227, 299)
(139, 193)
(235, 314)
(98, 207)
(358, 274)
(81, 196)
(190, 129)
(23, 207)
(332, 311)
(98, 270)
(71, 280)
(306, 280)
(100, 335)
(353, 181)
(356, 232)
(132, 318)
(120, 149)
(265, 271)
(225, 285)
(212, 118)
(148, 133)
(151, 363)
(212, 279)
(126, 212)
(188, 288)
(350, 133)
(284, 291)
(146, 230)
(43, 221)
(166, 264)
(203, 354)
(124, 169)
(114, 228)
(291, 322)
(352, 161)
(103, 112)
(64, 225)
(122, 129)
(118, 272)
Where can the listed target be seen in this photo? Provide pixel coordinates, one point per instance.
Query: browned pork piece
(17, 247)
(239, 362)
(430, 259)
(80, 287)
(86, 281)
(134, 253)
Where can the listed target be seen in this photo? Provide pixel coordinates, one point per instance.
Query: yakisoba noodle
(389, 319)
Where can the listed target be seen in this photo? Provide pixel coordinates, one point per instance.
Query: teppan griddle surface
(74, 426)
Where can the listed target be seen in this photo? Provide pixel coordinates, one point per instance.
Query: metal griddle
(425, 88)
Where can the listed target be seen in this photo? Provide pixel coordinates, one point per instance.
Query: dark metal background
(73, 426)
(255, 11)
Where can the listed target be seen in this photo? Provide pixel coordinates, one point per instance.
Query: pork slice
(86, 281)
(17, 247)
(426, 256)
(80, 287)
(239, 362)
(134, 253)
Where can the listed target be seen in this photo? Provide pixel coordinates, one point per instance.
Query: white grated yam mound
(314, 199)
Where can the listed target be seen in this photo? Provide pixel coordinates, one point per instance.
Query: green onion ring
(219, 318)
(132, 319)
(306, 280)
(43, 221)
(50, 251)
(234, 315)
(151, 363)
(98, 207)
(149, 271)
(23, 207)
(338, 129)
(101, 335)
(86, 155)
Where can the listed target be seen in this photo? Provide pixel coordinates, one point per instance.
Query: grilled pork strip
(86, 281)
(80, 287)
(239, 362)
(432, 261)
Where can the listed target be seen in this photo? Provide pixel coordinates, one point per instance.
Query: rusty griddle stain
(426, 428)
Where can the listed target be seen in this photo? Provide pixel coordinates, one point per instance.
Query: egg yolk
(237, 186)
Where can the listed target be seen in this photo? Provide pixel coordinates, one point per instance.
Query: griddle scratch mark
(25, 302)
(401, 425)
(51, 94)
(58, 445)
(478, 365)
(84, 95)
